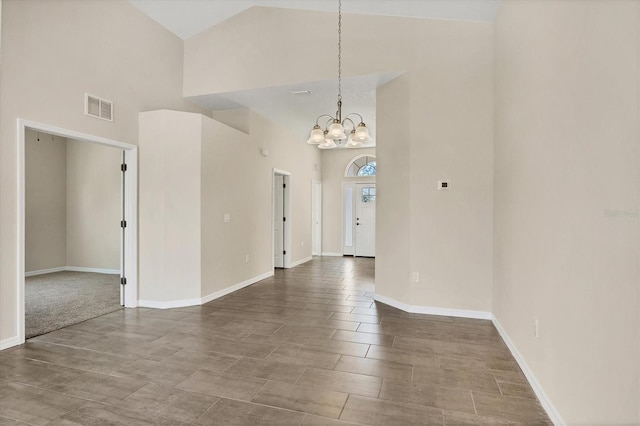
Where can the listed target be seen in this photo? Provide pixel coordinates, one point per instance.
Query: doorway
(281, 219)
(126, 269)
(359, 219)
(365, 220)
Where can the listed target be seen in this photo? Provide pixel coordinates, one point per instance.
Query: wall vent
(97, 107)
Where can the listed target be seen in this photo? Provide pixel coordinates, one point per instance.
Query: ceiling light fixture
(334, 128)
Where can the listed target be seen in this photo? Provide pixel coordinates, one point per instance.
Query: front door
(366, 220)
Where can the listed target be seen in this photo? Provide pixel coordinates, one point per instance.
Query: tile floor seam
(474, 402)
(344, 405)
(266, 382)
(207, 410)
(498, 383)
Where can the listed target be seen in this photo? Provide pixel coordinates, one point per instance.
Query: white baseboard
(8, 343)
(44, 271)
(94, 270)
(545, 401)
(202, 300)
(301, 261)
(224, 292)
(72, 269)
(324, 253)
(415, 309)
(157, 304)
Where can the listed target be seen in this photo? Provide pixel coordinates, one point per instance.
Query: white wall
(45, 201)
(447, 126)
(52, 53)
(334, 163)
(94, 206)
(566, 160)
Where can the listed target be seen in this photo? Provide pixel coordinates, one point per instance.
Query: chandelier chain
(339, 49)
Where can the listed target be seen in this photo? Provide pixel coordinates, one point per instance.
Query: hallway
(307, 346)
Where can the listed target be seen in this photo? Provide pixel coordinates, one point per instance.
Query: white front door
(366, 219)
(278, 222)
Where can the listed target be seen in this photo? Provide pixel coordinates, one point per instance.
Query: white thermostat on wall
(444, 184)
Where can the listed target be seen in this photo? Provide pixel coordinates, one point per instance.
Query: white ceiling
(186, 18)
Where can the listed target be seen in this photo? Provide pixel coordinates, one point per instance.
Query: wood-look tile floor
(308, 346)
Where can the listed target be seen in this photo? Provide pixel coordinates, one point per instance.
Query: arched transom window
(362, 165)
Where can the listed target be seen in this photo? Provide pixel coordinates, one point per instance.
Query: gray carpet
(57, 300)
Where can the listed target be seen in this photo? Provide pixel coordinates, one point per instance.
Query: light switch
(227, 217)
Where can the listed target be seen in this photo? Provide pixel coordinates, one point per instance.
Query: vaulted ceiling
(186, 18)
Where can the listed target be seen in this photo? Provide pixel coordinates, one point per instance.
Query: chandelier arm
(352, 123)
(323, 115)
(355, 113)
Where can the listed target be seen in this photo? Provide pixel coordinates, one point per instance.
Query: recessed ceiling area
(298, 111)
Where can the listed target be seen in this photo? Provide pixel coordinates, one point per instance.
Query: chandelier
(334, 130)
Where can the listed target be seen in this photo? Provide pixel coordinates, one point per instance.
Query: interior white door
(366, 220)
(278, 221)
(316, 218)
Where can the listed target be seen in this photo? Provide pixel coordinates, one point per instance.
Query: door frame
(130, 242)
(286, 261)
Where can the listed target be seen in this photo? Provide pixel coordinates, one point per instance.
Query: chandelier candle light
(334, 128)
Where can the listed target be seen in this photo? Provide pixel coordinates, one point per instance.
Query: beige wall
(169, 205)
(393, 153)
(186, 188)
(448, 126)
(94, 206)
(566, 154)
(52, 53)
(334, 163)
(45, 202)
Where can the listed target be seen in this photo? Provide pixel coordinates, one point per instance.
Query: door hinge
(284, 219)
(123, 281)
(284, 185)
(284, 252)
(123, 167)
(123, 224)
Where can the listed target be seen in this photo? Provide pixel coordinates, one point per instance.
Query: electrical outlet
(416, 277)
(536, 328)
(444, 185)
(246, 259)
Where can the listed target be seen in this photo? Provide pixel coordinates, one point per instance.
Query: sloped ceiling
(186, 18)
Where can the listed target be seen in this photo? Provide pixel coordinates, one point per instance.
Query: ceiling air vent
(99, 108)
